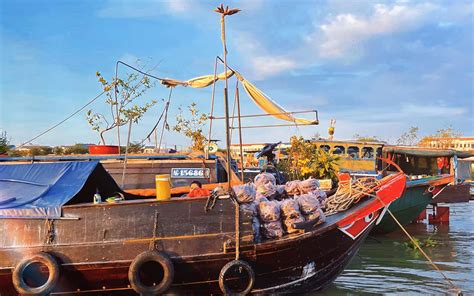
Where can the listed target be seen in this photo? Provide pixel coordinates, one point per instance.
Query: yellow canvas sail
(198, 82)
(268, 105)
(258, 97)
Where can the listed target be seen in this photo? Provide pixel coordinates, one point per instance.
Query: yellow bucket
(163, 186)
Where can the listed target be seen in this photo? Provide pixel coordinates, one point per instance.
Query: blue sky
(377, 67)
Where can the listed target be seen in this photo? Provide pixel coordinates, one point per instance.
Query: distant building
(149, 149)
(460, 143)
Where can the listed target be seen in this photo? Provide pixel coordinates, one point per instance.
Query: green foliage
(4, 143)
(191, 126)
(426, 243)
(36, 151)
(58, 150)
(136, 147)
(409, 138)
(17, 153)
(76, 149)
(443, 136)
(363, 138)
(128, 91)
(306, 160)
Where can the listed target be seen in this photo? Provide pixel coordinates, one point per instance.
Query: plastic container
(163, 186)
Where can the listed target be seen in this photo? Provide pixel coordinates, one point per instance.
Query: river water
(384, 265)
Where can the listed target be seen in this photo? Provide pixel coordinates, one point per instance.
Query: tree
(444, 138)
(191, 126)
(17, 153)
(76, 149)
(58, 150)
(128, 92)
(4, 143)
(136, 147)
(363, 138)
(409, 138)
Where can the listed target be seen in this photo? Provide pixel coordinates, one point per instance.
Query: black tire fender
(53, 268)
(233, 264)
(151, 256)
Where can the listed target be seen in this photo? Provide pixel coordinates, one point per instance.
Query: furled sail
(258, 97)
(198, 82)
(268, 105)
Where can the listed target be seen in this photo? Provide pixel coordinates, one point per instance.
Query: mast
(223, 13)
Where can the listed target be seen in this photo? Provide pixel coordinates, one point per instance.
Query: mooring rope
(458, 290)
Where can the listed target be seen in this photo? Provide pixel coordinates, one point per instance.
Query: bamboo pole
(223, 13)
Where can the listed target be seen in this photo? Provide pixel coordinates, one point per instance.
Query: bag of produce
(250, 207)
(244, 193)
(317, 215)
(267, 190)
(272, 229)
(269, 211)
(309, 203)
(290, 209)
(293, 187)
(289, 223)
(309, 185)
(264, 178)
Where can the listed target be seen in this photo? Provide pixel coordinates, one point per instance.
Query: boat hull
(418, 194)
(295, 266)
(94, 245)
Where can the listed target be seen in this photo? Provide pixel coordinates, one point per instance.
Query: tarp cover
(426, 152)
(40, 189)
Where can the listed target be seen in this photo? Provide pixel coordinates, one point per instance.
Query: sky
(377, 67)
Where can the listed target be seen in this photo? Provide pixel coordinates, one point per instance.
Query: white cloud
(431, 111)
(270, 65)
(345, 31)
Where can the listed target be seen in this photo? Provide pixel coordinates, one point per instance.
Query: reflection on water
(385, 266)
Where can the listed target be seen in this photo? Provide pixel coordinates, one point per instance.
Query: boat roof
(88, 157)
(39, 190)
(426, 152)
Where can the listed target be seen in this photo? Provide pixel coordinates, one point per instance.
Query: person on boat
(196, 190)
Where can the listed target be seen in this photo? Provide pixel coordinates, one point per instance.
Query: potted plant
(122, 111)
(306, 160)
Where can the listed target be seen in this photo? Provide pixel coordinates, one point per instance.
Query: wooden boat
(418, 194)
(417, 161)
(87, 247)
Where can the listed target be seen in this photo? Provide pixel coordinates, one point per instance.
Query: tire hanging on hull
(151, 256)
(18, 276)
(241, 265)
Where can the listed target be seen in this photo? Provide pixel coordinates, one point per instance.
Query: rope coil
(350, 192)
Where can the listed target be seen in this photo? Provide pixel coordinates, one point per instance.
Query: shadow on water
(384, 265)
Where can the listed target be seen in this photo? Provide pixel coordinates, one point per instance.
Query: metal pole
(165, 119)
(116, 105)
(237, 96)
(126, 153)
(212, 109)
(233, 116)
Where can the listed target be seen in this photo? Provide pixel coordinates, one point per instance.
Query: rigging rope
(62, 121)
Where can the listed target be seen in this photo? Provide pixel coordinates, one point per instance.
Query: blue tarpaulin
(41, 189)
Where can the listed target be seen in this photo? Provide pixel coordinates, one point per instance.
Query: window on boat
(339, 150)
(353, 151)
(367, 152)
(325, 148)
